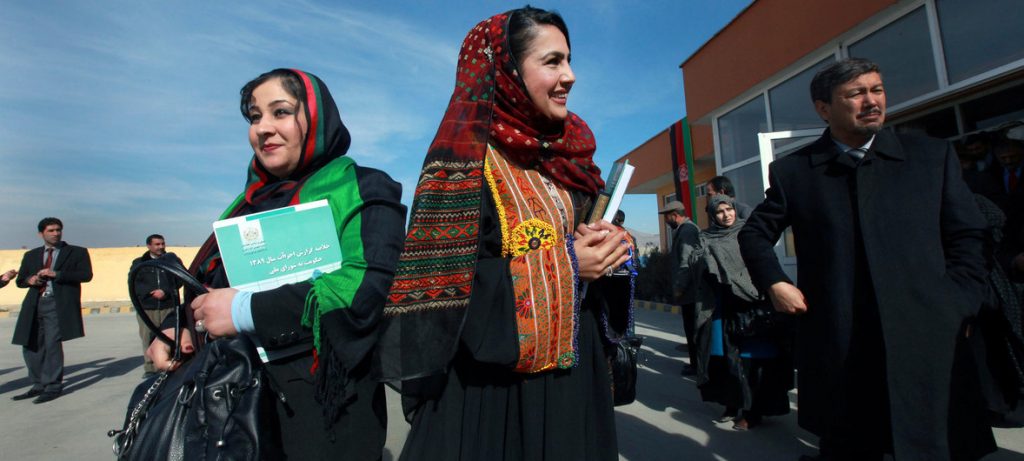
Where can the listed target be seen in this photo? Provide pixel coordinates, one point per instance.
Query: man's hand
(8, 276)
(214, 309)
(158, 294)
(787, 298)
(46, 274)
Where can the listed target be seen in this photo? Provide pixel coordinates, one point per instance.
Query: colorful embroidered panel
(436, 243)
(536, 215)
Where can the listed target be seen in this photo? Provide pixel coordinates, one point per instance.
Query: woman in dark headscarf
(328, 323)
(742, 364)
(500, 354)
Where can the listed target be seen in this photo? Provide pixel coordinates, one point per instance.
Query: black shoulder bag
(625, 353)
(758, 320)
(624, 372)
(209, 408)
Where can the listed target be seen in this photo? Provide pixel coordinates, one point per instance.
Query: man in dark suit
(889, 247)
(157, 291)
(6, 277)
(52, 309)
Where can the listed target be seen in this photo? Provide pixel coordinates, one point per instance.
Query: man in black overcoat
(52, 309)
(889, 247)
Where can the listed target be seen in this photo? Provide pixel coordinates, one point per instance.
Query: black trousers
(689, 313)
(44, 357)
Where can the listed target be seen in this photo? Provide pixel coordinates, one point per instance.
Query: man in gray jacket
(685, 239)
(157, 290)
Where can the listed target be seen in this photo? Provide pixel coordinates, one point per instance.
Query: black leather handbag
(218, 405)
(756, 321)
(623, 367)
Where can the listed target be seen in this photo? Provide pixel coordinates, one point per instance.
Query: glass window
(991, 110)
(938, 124)
(903, 50)
(784, 147)
(980, 35)
(737, 131)
(747, 182)
(791, 104)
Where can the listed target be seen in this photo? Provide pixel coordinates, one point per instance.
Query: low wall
(109, 269)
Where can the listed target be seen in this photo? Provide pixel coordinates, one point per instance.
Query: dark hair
(723, 185)
(838, 73)
(522, 25)
(289, 81)
(1001, 142)
(974, 138)
(620, 217)
(154, 236)
(46, 222)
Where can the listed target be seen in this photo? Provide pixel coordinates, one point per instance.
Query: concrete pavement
(668, 421)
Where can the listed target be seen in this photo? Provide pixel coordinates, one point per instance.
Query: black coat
(685, 239)
(906, 219)
(73, 268)
(152, 278)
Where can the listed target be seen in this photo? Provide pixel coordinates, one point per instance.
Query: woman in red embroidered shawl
(329, 322)
(486, 326)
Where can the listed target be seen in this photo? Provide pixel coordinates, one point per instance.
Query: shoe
(46, 397)
(28, 395)
(729, 415)
(744, 424)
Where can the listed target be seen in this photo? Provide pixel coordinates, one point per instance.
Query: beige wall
(109, 268)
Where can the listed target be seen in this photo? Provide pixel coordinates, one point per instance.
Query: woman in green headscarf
(327, 324)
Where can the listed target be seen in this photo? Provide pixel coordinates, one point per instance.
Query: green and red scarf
(323, 172)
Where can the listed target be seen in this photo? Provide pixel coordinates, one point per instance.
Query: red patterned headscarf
(491, 105)
(434, 279)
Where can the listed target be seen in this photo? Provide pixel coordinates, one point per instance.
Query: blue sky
(121, 117)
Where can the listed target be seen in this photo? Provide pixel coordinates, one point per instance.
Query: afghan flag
(682, 165)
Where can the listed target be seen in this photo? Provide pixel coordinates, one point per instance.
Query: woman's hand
(214, 310)
(599, 246)
(160, 353)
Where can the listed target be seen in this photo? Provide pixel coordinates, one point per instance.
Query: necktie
(856, 152)
(46, 265)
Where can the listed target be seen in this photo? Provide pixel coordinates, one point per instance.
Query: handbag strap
(190, 283)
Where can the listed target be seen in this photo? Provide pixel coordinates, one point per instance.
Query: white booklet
(265, 250)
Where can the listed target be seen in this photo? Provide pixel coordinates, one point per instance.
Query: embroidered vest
(537, 219)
